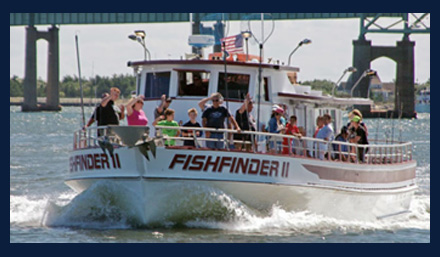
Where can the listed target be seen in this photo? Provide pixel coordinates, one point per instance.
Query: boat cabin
(189, 81)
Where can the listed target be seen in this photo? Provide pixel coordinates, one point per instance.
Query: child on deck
(168, 120)
(291, 129)
(192, 113)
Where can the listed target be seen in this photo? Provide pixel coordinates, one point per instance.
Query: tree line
(69, 86)
(94, 87)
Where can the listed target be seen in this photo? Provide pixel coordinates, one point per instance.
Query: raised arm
(203, 102)
(105, 100)
(245, 104)
(160, 107)
(131, 103)
(161, 117)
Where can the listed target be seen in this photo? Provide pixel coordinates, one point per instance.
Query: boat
(423, 101)
(136, 160)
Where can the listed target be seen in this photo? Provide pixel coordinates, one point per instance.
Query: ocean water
(43, 209)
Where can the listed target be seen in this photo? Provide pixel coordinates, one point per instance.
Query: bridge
(363, 54)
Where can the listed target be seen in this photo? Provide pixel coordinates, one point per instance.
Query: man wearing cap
(164, 104)
(359, 137)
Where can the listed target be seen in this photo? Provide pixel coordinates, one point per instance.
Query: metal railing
(377, 152)
(91, 136)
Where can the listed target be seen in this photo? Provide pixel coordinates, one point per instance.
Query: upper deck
(179, 79)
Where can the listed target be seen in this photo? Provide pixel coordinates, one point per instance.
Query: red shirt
(317, 130)
(290, 130)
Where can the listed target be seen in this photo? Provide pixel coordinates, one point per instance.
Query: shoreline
(64, 101)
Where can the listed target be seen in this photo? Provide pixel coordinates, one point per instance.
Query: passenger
(319, 125)
(291, 129)
(203, 104)
(351, 115)
(246, 121)
(341, 151)
(325, 133)
(192, 114)
(110, 114)
(164, 104)
(214, 117)
(283, 120)
(359, 137)
(276, 126)
(168, 120)
(135, 114)
(96, 113)
(302, 143)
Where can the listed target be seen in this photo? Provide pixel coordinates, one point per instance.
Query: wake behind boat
(138, 161)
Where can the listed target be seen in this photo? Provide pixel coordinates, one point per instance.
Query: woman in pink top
(135, 114)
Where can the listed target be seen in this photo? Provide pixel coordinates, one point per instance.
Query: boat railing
(91, 136)
(376, 152)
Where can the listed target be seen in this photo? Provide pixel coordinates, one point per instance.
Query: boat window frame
(219, 77)
(145, 76)
(178, 84)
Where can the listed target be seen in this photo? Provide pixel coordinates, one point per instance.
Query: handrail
(375, 153)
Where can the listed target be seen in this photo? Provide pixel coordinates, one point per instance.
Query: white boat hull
(346, 191)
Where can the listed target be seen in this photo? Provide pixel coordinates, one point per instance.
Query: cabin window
(238, 85)
(157, 84)
(193, 83)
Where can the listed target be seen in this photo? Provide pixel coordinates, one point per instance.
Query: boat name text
(94, 162)
(236, 165)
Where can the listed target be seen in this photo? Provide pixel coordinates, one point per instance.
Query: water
(43, 209)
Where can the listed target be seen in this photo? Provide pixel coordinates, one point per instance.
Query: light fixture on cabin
(349, 69)
(246, 35)
(139, 36)
(366, 73)
(303, 42)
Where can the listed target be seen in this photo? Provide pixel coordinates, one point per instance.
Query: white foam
(106, 206)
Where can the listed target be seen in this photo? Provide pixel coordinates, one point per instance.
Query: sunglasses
(215, 100)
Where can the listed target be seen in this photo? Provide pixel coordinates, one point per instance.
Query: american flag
(234, 44)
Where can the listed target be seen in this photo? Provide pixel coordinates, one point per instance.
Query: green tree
(15, 87)
(325, 85)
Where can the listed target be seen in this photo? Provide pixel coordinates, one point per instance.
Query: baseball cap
(279, 110)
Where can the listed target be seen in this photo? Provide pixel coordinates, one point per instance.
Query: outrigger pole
(80, 85)
(260, 70)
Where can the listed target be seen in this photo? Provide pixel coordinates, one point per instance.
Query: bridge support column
(52, 89)
(30, 72)
(30, 79)
(403, 54)
(404, 97)
(361, 60)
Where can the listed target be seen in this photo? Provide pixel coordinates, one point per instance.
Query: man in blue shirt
(326, 133)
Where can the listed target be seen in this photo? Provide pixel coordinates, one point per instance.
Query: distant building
(386, 89)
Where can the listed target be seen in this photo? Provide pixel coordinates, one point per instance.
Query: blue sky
(105, 49)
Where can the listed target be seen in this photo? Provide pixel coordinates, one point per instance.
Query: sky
(106, 49)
